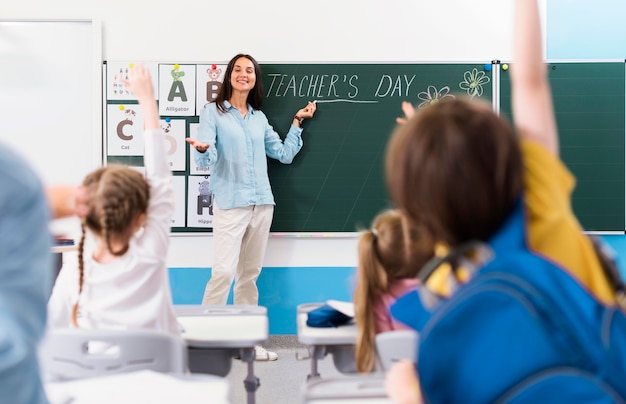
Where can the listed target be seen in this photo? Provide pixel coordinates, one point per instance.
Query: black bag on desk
(326, 316)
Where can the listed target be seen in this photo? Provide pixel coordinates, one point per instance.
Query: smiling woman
(235, 139)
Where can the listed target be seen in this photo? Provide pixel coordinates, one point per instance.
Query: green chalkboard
(589, 102)
(336, 182)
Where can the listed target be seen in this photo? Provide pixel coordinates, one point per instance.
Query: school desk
(141, 386)
(338, 341)
(216, 334)
(352, 389)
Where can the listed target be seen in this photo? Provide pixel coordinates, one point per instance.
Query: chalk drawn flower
(433, 96)
(473, 82)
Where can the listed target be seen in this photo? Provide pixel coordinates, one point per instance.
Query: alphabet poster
(209, 80)
(177, 90)
(117, 72)
(199, 202)
(124, 130)
(178, 182)
(174, 130)
(193, 167)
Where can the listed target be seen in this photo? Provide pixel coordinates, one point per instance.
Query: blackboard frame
(277, 120)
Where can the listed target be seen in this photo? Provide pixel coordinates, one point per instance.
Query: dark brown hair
(255, 97)
(456, 168)
(117, 196)
(393, 249)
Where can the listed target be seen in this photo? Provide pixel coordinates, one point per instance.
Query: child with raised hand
(459, 170)
(121, 281)
(390, 255)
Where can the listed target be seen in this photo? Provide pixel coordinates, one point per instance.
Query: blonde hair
(117, 196)
(393, 249)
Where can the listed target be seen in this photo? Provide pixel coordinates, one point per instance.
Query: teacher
(234, 138)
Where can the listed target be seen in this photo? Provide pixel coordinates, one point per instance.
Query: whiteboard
(50, 95)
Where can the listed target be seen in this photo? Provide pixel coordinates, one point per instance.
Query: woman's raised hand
(308, 111)
(198, 145)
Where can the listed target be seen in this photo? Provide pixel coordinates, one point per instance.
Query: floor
(282, 381)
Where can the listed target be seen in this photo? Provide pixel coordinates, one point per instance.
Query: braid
(120, 195)
(116, 214)
(117, 196)
(81, 273)
(110, 216)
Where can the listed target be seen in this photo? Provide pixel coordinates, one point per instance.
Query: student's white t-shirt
(133, 291)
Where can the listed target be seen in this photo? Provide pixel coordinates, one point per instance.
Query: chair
(69, 353)
(392, 346)
(355, 389)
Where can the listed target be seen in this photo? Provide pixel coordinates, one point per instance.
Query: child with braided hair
(120, 280)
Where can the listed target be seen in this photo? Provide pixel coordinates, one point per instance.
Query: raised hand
(198, 145)
(308, 111)
(409, 110)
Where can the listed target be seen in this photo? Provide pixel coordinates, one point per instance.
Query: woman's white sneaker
(263, 354)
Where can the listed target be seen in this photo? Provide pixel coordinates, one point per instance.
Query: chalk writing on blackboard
(327, 88)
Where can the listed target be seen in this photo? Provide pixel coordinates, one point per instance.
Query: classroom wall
(296, 269)
(284, 31)
(585, 29)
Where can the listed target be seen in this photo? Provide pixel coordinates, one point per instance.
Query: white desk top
(225, 326)
(347, 390)
(144, 386)
(342, 335)
(64, 248)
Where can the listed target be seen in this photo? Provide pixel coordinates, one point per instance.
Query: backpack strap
(608, 262)
(465, 252)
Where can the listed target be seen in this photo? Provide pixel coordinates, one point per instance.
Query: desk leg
(58, 264)
(318, 352)
(251, 382)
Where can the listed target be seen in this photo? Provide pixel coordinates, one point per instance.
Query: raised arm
(161, 206)
(140, 84)
(533, 113)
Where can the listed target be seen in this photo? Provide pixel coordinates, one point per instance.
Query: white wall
(287, 31)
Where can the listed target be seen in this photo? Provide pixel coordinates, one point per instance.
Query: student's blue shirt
(237, 154)
(25, 268)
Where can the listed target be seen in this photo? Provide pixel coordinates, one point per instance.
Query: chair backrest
(69, 354)
(359, 389)
(392, 346)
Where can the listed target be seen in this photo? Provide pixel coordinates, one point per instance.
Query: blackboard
(336, 182)
(589, 102)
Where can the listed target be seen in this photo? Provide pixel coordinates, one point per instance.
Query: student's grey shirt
(25, 276)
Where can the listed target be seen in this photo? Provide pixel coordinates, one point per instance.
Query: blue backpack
(522, 330)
